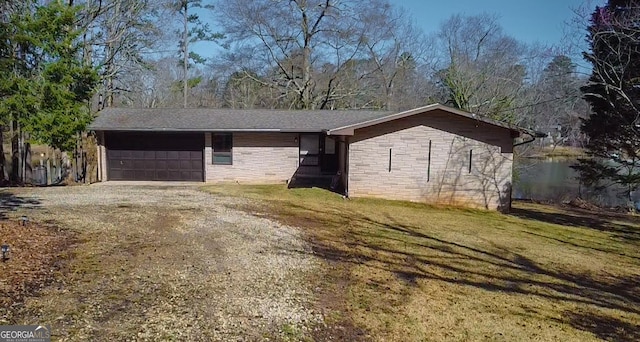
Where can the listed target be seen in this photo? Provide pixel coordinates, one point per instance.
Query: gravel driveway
(170, 262)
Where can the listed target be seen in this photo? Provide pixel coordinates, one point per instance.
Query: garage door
(155, 156)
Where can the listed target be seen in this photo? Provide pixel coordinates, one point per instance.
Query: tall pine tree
(193, 31)
(613, 91)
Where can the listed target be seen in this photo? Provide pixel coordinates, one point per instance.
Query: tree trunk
(23, 154)
(16, 160)
(306, 78)
(28, 169)
(109, 86)
(110, 58)
(185, 46)
(76, 161)
(2, 159)
(13, 173)
(48, 167)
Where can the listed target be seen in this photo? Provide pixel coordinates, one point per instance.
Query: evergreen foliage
(44, 86)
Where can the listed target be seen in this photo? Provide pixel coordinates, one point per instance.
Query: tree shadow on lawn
(11, 202)
(411, 255)
(626, 227)
(606, 328)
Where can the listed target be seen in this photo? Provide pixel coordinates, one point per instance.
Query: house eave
(345, 131)
(169, 130)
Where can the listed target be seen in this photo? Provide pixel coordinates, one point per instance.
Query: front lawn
(412, 272)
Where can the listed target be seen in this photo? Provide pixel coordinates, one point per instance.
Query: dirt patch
(331, 284)
(170, 263)
(332, 299)
(38, 257)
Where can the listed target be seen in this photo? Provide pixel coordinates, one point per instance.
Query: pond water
(553, 179)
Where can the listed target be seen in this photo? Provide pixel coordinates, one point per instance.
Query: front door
(328, 154)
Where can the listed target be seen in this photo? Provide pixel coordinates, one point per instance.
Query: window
(329, 145)
(429, 163)
(309, 150)
(222, 147)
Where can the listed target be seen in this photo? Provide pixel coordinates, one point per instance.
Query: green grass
(417, 272)
(290, 332)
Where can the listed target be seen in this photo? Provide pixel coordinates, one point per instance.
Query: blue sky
(528, 21)
(541, 21)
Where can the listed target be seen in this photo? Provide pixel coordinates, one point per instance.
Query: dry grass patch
(417, 272)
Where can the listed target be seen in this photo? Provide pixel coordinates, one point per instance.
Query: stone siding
(257, 158)
(445, 178)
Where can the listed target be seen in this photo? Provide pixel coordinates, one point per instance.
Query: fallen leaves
(37, 255)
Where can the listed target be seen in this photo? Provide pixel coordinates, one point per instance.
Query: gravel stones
(158, 262)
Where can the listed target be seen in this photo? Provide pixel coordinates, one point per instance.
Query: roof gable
(348, 129)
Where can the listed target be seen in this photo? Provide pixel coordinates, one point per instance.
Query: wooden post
(98, 149)
(75, 161)
(78, 161)
(20, 156)
(2, 159)
(56, 163)
(15, 160)
(48, 167)
(28, 170)
(11, 176)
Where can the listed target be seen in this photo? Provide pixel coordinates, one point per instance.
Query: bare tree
(118, 34)
(394, 48)
(559, 107)
(482, 67)
(156, 86)
(283, 31)
(318, 53)
(242, 90)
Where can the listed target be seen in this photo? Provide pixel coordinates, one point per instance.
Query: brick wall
(446, 178)
(257, 158)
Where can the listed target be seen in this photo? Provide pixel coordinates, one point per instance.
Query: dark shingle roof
(207, 119)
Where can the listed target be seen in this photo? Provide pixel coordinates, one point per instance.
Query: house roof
(206, 119)
(334, 122)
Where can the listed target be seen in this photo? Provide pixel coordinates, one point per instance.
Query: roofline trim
(196, 130)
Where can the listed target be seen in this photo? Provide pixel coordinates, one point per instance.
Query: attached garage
(155, 156)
